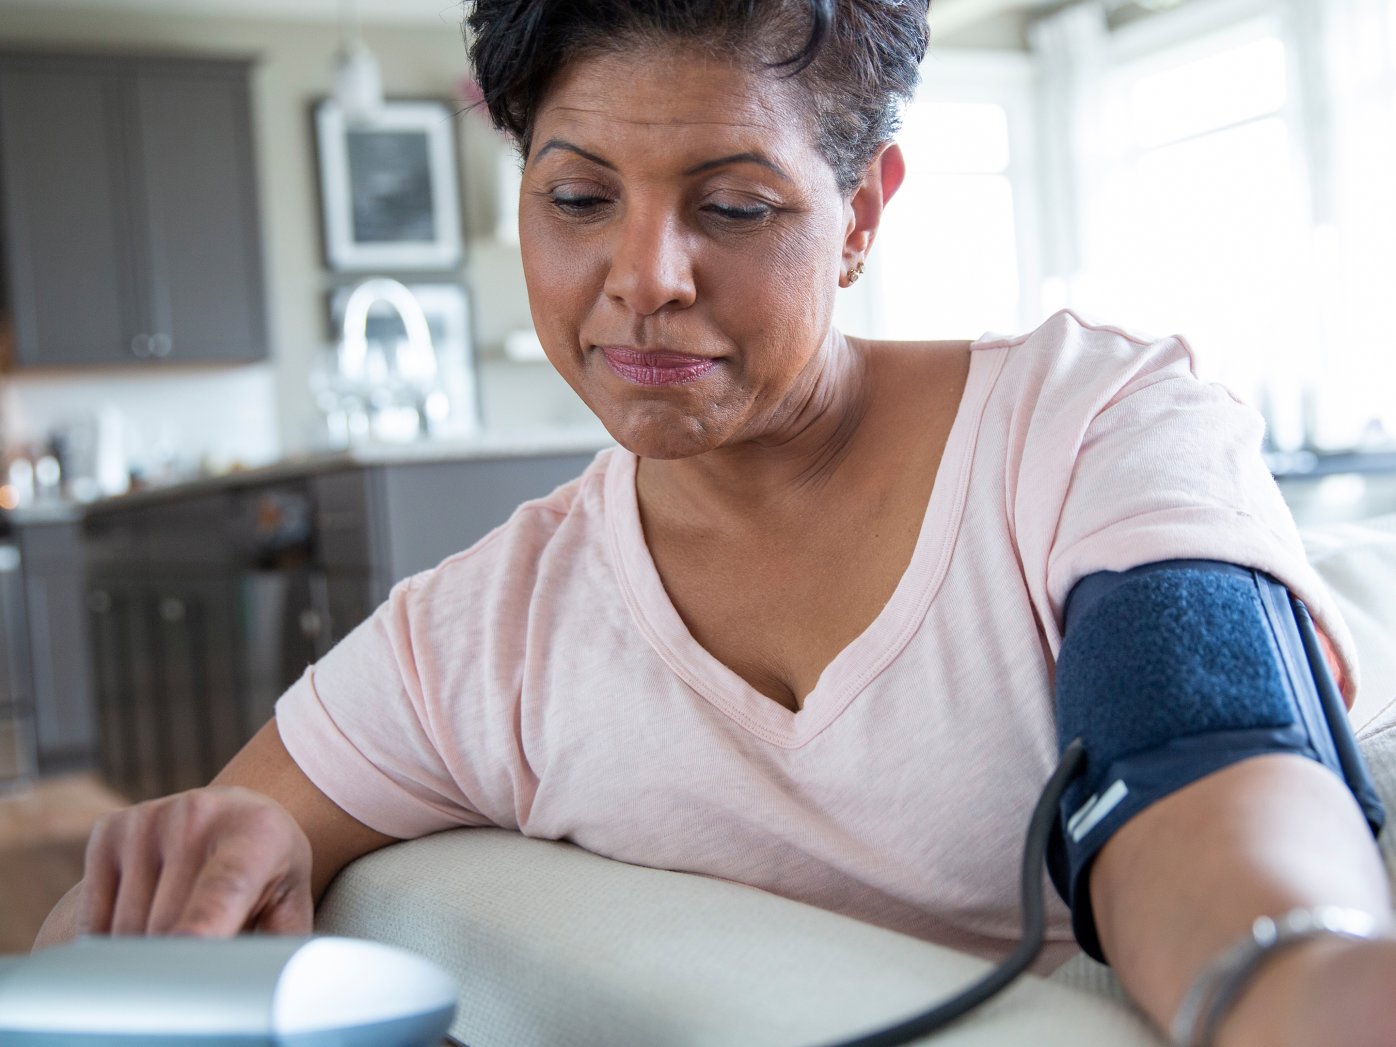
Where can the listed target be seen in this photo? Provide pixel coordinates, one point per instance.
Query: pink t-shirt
(542, 681)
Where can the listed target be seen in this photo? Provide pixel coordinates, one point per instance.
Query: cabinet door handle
(141, 346)
(99, 601)
(161, 345)
(172, 609)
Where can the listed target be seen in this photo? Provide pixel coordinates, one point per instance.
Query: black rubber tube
(1034, 923)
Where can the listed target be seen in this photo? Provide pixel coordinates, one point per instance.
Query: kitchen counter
(44, 513)
(491, 445)
(486, 446)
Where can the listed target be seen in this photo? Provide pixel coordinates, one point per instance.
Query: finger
(291, 911)
(223, 899)
(138, 873)
(99, 883)
(178, 837)
(172, 893)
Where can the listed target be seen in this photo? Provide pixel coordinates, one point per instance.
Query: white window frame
(999, 78)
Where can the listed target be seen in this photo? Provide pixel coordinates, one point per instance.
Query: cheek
(787, 287)
(559, 278)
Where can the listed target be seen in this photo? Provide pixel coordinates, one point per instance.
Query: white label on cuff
(1090, 813)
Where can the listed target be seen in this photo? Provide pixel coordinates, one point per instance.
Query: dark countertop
(492, 445)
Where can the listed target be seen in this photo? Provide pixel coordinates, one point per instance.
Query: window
(1357, 245)
(1201, 225)
(1222, 171)
(1243, 199)
(947, 262)
(951, 257)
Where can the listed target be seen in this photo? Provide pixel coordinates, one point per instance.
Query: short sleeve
(358, 726)
(1129, 458)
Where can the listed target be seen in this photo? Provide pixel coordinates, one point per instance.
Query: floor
(43, 830)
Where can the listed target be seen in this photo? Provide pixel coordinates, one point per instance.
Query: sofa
(553, 945)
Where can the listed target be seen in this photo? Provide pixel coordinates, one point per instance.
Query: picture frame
(389, 187)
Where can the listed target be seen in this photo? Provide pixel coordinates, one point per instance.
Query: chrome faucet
(418, 372)
(353, 346)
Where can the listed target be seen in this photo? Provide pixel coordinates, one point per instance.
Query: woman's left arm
(1182, 882)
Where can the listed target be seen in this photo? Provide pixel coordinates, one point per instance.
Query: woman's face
(682, 243)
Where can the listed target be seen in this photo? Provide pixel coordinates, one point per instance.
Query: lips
(656, 367)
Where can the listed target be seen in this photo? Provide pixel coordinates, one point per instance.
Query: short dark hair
(859, 61)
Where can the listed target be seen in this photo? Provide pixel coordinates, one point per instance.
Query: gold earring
(854, 273)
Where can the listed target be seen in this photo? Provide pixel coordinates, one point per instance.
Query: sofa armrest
(1357, 561)
(553, 945)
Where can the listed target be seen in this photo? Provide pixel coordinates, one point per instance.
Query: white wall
(293, 70)
(181, 422)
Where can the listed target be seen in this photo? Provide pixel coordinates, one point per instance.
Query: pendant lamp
(358, 82)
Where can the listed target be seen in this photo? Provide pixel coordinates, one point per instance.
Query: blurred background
(1216, 168)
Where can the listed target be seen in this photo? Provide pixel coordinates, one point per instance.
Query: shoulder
(1070, 352)
(1071, 374)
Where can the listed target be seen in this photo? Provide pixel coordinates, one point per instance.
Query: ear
(882, 179)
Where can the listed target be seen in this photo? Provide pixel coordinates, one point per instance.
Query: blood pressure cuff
(1174, 670)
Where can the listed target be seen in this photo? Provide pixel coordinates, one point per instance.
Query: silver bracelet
(1211, 997)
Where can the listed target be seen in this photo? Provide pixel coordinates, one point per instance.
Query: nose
(651, 263)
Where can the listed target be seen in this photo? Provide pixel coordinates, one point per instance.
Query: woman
(799, 630)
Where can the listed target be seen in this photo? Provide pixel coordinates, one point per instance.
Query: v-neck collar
(858, 664)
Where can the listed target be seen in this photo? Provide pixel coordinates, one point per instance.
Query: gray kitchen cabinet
(131, 226)
(383, 523)
(192, 642)
(64, 728)
(204, 607)
(112, 655)
(70, 284)
(161, 598)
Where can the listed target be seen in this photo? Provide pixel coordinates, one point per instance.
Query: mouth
(655, 367)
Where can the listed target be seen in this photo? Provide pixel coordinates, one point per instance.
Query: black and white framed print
(388, 186)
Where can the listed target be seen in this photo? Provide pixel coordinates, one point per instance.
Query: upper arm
(336, 838)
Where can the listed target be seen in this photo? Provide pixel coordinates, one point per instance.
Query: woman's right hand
(253, 851)
(209, 862)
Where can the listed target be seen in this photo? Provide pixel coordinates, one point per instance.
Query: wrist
(1260, 964)
(1274, 1008)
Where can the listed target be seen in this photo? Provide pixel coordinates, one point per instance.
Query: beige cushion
(1358, 563)
(553, 945)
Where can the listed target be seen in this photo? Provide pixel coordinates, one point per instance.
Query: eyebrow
(707, 165)
(736, 158)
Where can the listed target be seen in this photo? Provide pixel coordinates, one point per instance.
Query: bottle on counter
(112, 471)
(48, 478)
(19, 482)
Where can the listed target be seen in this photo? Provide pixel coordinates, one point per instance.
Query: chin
(660, 435)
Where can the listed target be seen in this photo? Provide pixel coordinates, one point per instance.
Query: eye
(579, 204)
(740, 213)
